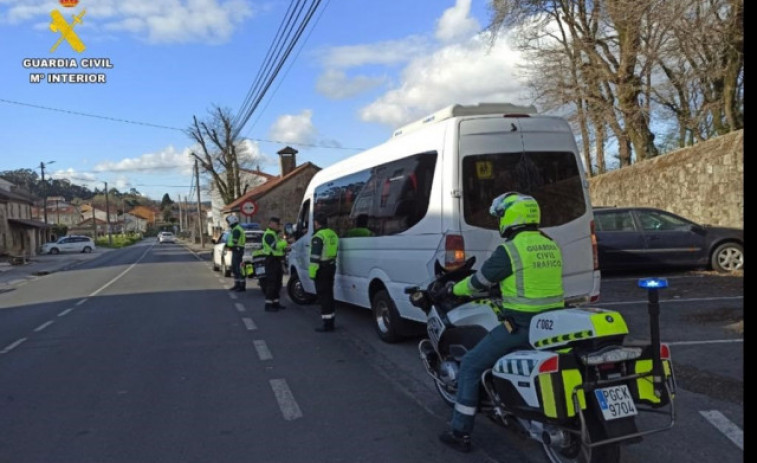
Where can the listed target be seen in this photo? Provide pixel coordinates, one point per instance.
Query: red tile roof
(264, 188)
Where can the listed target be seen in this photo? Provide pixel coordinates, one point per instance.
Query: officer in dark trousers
(322, 268)
(235, 242)
(274, 249)
(527, 266)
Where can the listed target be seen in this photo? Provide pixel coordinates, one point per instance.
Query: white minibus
(425, 194)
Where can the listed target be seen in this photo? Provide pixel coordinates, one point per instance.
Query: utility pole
(181, 225)
(94, 222)
(107, 215)
(44, 192)
(199, 209)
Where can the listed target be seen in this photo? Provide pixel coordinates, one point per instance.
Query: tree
(220, 154)
(166, 202)
(626, 67)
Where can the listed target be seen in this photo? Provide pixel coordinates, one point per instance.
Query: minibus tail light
(454, 247)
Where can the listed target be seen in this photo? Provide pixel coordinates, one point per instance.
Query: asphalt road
(141, 355)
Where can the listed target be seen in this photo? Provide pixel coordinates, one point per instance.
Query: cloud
(456, 24)
(385, 53)
(294, 129)
(464, 73)
(336, 85)
(155, 21)
(167, 161)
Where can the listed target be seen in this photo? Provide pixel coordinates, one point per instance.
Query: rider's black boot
(457, 440)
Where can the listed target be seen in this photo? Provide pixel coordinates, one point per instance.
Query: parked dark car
(644, 238)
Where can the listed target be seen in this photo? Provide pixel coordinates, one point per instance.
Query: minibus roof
(456, 110)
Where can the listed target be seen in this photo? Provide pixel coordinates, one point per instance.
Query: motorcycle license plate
(259, 270)
(615, 402)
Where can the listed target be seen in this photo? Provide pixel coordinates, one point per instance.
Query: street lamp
(42, 166)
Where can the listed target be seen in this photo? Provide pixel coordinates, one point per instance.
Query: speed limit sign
(248, 208)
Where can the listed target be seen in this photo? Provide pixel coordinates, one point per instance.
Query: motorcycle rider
(235, 242)
(527, 266)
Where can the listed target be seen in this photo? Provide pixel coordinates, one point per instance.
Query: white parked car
(166, 237)
(70, 243)
(222, 257)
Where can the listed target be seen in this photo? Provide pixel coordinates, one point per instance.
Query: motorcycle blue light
(653, 283)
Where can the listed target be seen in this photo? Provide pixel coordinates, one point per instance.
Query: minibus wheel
(296, 292)
(387, 321)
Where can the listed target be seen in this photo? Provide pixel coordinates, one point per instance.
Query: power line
(244, 115)
(280, 142)
(89, 115)
(291, 63)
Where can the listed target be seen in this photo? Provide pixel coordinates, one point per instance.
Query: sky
(359, 70)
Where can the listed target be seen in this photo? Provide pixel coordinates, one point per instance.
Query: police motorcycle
(578, 389)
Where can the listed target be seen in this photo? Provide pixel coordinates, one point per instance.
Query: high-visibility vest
(272, 245)
(323, 249)
(536, 282)
(230, 242)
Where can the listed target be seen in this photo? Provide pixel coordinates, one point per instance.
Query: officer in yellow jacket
(274, 248)
(323, 251)
(527, 267)
(235, 242)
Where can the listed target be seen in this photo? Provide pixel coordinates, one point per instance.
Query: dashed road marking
(263, 352)
(65, 312)
(249, 324)
(81, 301)
(724, 425)
(43, 326)
(232, 295)
(284, 397)
(12, 346)
(239, 306)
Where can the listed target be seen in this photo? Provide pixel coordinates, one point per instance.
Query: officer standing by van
(235, 242)
(323, 252)
(274, 249)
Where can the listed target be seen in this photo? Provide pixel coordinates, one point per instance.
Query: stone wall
(284, 200)
(704, 182)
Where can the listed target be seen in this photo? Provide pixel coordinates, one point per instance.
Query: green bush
(118, 241)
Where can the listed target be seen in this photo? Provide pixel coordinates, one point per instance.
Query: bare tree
(703, 65)
(220, 154)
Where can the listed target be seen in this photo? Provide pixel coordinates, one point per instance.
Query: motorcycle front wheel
(447, 393)
(577, 452)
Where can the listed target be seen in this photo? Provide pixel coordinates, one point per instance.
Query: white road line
(713, 341)
(232, 295)
(97, 291)
(697, 299)
(65, 312)
(284, 397)
(249, 324)
(12, 346)
(81, 301)
(724, 425)
(263, 352)
(239, 306)
(43, 326)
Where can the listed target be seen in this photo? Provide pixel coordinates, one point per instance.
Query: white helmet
(232, 220)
